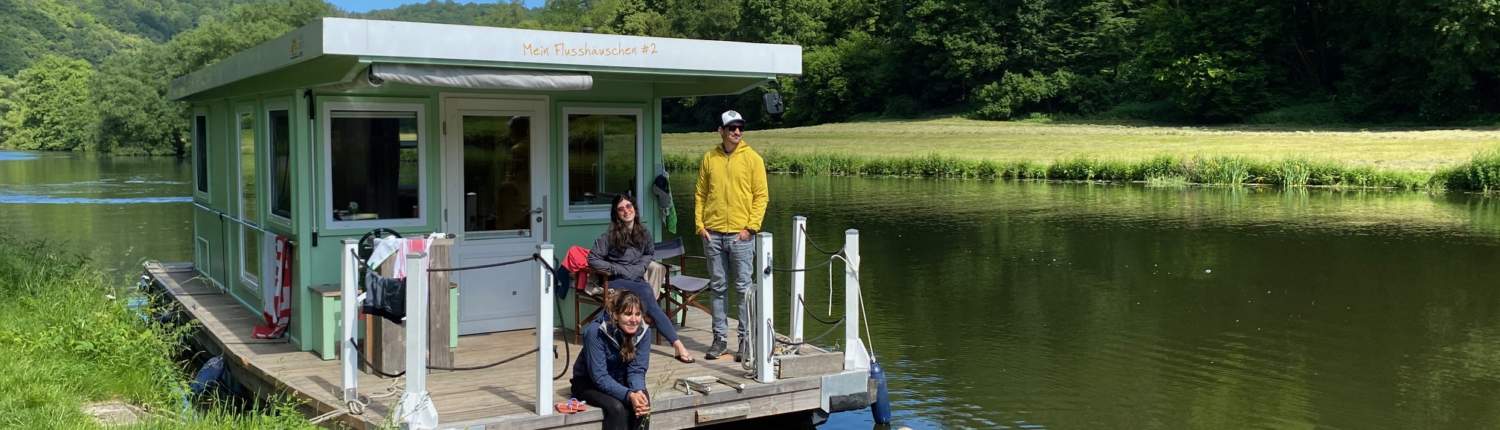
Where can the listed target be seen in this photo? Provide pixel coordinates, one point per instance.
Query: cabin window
(604, 152)
(249, 208)
(375, 166)
(200, 152)
(280, 185)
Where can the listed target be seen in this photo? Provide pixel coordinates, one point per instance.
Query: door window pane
(374, 157)
(281, 157)
(250, 257)
(200, 151)
(601, 157)
(248, 207)
(497, 173)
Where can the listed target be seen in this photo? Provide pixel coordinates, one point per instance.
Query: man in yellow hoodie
(729, 204)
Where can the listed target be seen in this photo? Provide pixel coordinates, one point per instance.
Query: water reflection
(1018, 304)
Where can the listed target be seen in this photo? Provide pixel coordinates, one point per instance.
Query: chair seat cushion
(687, 283)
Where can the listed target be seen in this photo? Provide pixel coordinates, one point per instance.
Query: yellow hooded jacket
(731, 194)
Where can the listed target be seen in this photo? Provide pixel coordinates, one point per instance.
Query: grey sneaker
(717, 349)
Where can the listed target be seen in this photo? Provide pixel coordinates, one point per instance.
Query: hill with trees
(1313, 62)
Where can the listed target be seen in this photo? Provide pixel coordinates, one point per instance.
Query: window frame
(251, 280)
(325, 148)
(202, 186)
(598, 212)
(269, 161)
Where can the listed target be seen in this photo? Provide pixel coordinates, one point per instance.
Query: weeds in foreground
(67, 338)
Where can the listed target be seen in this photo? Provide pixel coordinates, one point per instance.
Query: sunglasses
(734, 128)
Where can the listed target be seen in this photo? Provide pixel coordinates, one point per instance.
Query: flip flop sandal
(688, 360)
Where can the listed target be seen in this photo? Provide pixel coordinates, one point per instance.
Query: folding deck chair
(681, 291)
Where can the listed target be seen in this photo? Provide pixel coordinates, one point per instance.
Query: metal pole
(416, 406)
(799, 254)
(855, 355)
(544, 332)
(349, 357)
(763, 327)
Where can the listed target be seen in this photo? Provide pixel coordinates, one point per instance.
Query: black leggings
(618, 415)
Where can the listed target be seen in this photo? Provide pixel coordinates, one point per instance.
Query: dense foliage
(1300, 61)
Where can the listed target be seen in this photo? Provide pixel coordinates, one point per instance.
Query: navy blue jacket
(601, 366)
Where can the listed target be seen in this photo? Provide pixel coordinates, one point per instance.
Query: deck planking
(501, 397)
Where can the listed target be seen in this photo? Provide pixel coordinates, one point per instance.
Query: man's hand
(744, 235)
(641, 403)
(704, 234)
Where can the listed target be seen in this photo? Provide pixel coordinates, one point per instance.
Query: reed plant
(67, 338)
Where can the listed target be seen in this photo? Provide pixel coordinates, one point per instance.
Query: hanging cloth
(276, 295)
(663, 191)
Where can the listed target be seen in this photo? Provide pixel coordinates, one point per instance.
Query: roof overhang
(341, 47)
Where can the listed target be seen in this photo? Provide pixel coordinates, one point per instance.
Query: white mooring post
(348, 356)
(416, 408)
(799, 254)
(855, 355)
(544, 332)
(763, 330)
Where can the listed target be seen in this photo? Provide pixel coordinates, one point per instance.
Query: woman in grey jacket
(624, 251)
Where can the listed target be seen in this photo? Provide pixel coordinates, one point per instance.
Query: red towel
(277, 309)
(576, 260)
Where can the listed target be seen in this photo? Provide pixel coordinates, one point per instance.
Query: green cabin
(506, 138)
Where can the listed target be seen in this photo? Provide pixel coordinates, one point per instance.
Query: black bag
(385, 297)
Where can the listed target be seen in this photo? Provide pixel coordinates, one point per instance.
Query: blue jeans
(649, 307)
(725, 253)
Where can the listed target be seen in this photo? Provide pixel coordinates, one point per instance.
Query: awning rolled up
(478, 78)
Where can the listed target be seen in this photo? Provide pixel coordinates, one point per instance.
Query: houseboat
(508, 143)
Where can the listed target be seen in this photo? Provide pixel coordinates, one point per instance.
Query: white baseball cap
(730, 117)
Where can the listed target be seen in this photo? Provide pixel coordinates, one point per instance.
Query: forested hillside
(66, 65)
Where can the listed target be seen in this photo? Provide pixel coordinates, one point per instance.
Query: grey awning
(478, 78)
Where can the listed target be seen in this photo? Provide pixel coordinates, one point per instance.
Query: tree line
(93, 75)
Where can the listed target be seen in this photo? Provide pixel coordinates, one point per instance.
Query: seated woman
(611, 371)
(623, 252)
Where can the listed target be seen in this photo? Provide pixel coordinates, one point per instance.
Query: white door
(494, 187)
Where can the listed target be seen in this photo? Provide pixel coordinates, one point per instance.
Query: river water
(1052, 305)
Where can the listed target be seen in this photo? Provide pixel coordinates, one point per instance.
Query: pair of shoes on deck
(572, 406)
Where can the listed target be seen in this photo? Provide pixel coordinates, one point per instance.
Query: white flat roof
(423, 43)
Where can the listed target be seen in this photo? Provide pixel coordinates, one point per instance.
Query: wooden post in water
(855, 355)
(762, 327)
(348, 356)
(544, 332)
(799, 254)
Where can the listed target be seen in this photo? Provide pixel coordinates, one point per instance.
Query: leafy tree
(51, 108)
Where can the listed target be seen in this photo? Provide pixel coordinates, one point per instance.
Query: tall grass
(1221, 170)
(67, 338)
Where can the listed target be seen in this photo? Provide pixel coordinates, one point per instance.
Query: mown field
(956, 147)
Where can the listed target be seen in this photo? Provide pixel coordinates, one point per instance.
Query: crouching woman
(611, 371)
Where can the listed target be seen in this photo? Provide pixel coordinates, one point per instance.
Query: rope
(814, 338)
(485, 366)
(815, 316)
(869, 337)
(770, 269)
(815, 244)
(486, 266)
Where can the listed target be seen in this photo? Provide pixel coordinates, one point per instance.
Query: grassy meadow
(67, 339)
(1460, 159)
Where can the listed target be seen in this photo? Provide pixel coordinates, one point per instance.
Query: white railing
(799, 263)
(762, 329)
(415, 409)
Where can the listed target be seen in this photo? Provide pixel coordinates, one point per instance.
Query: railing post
(348, 356)
(416, 406)
(763, 330)
(544, 332)
(799, 255)
(855, 355)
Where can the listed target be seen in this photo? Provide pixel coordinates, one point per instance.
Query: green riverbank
(1459, 160)
(67, 339)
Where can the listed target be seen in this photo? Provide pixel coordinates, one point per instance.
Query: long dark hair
(624, 300)
(622, 234)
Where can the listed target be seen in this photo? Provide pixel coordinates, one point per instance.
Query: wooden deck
(500, 397)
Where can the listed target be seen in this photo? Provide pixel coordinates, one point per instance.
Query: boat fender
(881, 410)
